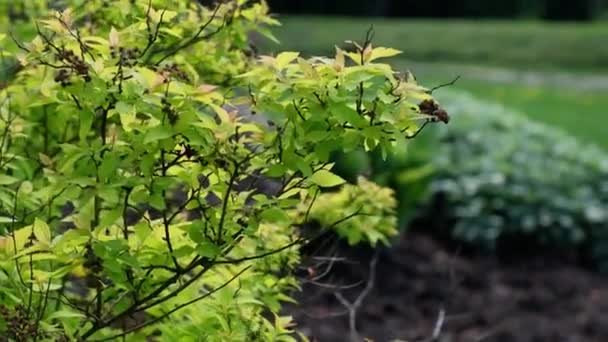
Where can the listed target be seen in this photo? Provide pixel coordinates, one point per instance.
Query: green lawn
(517, 44)
(582, 114)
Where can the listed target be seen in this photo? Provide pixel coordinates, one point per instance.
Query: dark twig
(197, 37)
(452, 82)
(152, 36)
(352, 307)
(412, 136)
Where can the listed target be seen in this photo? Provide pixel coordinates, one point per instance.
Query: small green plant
(362, 212)
(133, 200)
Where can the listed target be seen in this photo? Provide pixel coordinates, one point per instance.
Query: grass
(582, 114)
(516, 44)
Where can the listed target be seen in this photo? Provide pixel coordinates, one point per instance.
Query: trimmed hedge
(503, 176)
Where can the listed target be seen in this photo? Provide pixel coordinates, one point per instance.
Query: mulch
(530, 298)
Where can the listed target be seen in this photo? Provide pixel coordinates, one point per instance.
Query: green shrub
(406, 169)
(500, 175)
(369, 209)
(495, 176)
(131, 202)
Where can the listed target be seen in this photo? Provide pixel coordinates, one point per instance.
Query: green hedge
(503, 175)
(494, 176)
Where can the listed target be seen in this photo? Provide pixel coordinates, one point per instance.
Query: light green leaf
(127, 115)
(157, 133)
(284, 58)
(64, 314)
(382, 52)
(326, 179)
(207, 249)
(4, 219)
(7, 180)
(42, 231)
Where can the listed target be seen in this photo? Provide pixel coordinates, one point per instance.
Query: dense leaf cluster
(502, 175)
(137, 200)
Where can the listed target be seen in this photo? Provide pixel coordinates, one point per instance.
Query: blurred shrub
(407, 170)
(495, 176)
(502, 175)
(359, 213)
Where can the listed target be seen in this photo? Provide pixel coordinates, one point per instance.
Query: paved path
(570, 80)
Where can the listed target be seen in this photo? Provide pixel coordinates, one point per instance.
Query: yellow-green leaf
(382, 52)
(42, 231)
(127, 115)
(7, 180)
(284, 58)
(326, 179)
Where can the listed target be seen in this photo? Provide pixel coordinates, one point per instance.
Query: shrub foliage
(502, 175)
(137, 200)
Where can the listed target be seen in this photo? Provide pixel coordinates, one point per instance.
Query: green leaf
(274, 214)
(382, 52)
(207, 249)
(108, 167)
(86, 120)
(284, 58)
(326, 179)
(276, 170)
(42, 231)
(7, 180)
(127, 115)
(347, 114)
(157, 133)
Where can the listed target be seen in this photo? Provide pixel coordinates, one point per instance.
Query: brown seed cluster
(169, 112)
(74, 66)
(432, 108)
(127, 57)
(172, 70)
(19, 326)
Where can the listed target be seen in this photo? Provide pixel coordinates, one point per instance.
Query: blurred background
(504, 211)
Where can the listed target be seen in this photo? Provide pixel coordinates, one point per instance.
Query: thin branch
(352, 307)
(76, 35)
(438, 326)
(179, 307)
(415, 134)
(196, 38)
(19, 45)
(452, 82)
(224, 212)
(152, 36)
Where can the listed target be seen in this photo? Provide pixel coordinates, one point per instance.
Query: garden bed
(519, 299)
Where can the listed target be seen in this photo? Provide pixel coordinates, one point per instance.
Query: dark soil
(542, 298)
